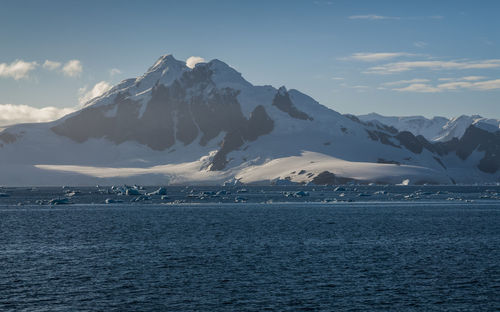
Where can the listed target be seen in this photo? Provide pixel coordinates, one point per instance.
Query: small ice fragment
(112, 201)
(240, 199)
(132, 191)
(59, 201)
(301, 194)
(160, 191)
(141, 198)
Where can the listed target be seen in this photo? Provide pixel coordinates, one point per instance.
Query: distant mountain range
(437, 129)
(208, 125)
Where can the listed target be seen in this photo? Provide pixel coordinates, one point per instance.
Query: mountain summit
(208, 125)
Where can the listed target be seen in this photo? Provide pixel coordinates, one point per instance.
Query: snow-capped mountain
(208, 125)
(437, 129)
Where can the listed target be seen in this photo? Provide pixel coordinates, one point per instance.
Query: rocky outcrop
(7, 137)
(283, 102)
(328, 178)
(258, 124)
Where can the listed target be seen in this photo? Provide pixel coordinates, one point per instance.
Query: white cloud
(72, 68)
(398, 67)
(337, 78)
(374, 57)
(114, 71)
(13, 114)
(18, 69)
(373, 17)
(403, 82)
(51, 65)
(193, 60)
(88, 94)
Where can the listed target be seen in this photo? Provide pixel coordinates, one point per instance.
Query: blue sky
(393, 57)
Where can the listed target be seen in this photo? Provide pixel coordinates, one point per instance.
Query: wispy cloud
(51, 65)
(420, 44)
(466, 78)
(374, 17)
(86, 94)
(358, 88)
(485, 85)
(114, 71)
(18, 69)
(377, 56)
(323, 2)
(72, 68)
(13, 114)
(418, 87)
(403, 82)
(193, 60)
(398, 67)
(473, 78)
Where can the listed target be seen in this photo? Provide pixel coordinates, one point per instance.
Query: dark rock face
(248, 130)
(189, 108)
(439, 161)
(283, 103)
(483, 141)
(473, 139)
(383, 137)
(328, 178)
(379, 126)
(408, 140)
(385, 161)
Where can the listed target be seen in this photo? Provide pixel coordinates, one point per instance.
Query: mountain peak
(165, 61)
(164, 71)
(225, 75)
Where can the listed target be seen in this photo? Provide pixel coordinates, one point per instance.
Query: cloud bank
(87, 94)
(13, 114)
(20, 69)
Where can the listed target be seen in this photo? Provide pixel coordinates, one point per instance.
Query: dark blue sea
(281, 248)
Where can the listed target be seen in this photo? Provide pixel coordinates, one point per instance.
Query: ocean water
(374, 248)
